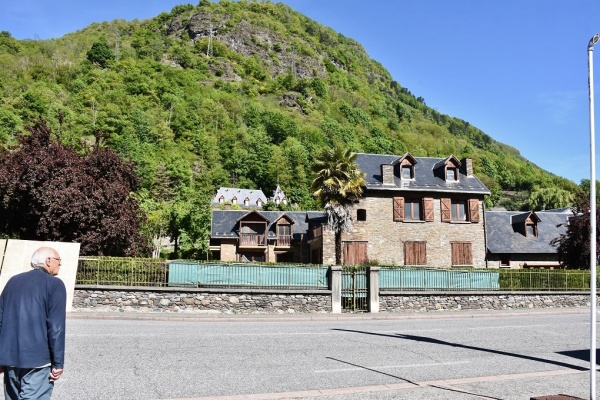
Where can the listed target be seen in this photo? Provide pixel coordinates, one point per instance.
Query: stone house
(413, 211)
(517, 239)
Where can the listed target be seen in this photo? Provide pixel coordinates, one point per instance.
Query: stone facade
(385, 237)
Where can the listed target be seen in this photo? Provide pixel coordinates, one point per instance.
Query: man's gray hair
(38, 259)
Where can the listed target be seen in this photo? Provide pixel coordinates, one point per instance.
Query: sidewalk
(223, 317)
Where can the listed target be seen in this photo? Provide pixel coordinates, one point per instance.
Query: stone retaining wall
(201, 302)
(237, 301)
(411, 303)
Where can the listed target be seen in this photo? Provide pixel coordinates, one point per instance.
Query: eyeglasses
(56, 258)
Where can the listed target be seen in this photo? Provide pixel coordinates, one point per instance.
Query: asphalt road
(433, 356)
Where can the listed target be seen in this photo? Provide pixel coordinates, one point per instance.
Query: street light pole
(593, 257)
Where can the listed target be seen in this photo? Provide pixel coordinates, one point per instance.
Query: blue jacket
(32, 320)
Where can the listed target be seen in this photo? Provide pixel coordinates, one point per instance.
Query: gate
(354, 289)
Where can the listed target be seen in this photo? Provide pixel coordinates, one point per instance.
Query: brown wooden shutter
(415, 253)
(473, 210)
(398, 208)
(446, 205)
(428, 208)
(462, 253)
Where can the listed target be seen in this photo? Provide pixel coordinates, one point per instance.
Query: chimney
(387, 174)
(467, 166)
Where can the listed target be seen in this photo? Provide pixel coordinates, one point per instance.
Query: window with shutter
(415, 253)
(398, 208)
(462, 254)
(412, 210)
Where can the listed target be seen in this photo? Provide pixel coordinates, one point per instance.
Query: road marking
(388, 387)
(321, 371)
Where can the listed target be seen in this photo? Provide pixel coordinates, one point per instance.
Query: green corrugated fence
(247, 275)
(391, 278)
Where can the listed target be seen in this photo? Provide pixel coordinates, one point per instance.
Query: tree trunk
(338, 247)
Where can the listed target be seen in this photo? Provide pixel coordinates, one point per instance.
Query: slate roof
(229, 193)
(224, 223)
(425, 178)
(502, 238)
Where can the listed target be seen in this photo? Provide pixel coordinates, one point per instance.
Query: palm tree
(338, 183)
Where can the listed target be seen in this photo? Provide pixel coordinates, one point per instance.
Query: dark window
(451, 174)
(407, 172)
(459, 210)
(412, 209)
(361, 214)
(531, 230)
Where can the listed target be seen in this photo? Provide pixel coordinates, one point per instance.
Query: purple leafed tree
(49, 192)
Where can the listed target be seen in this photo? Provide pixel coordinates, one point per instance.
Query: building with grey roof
(245, 198)
(522, 239)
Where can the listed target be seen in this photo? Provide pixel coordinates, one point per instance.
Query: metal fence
(354, 289)
(545, 279)
(183, 273)
(406, 278)
(122, 271)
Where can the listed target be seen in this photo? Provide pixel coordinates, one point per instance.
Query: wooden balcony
(284, 241)
(253, 240)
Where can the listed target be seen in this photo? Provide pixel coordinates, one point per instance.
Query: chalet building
(517, 239)
(262, 236)
(413, 211)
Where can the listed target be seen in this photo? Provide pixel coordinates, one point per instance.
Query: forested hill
(240, 94)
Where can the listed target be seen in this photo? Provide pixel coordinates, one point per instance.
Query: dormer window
(234, 200)
(221, 199)
(531, 229)
(246, 202)
(407, 167)
(259, 203)
(451, 173)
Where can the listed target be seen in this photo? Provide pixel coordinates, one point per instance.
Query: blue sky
(515, 69)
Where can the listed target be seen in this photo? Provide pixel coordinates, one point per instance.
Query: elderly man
(32, 328)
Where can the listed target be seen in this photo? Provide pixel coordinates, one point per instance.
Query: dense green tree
(549, 198)
(100, 53)
(338, 183)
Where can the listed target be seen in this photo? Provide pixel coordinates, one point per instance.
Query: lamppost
(593, 257)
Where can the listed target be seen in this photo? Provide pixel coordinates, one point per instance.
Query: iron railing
(443, 279)
(122, 271)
